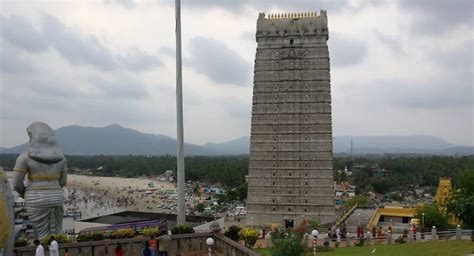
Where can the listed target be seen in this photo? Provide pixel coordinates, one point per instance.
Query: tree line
(230, 171)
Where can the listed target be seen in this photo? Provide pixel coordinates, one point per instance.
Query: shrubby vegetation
(91, 236)
(249, 236)
(150, 232)
(461, 203)
(233, 232)
(182, 229)
(60, 238)
(433, 217)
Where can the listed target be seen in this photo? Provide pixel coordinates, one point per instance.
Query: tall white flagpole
(179, 116)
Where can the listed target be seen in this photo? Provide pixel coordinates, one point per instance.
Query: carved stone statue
(45, 166)
(7, 225)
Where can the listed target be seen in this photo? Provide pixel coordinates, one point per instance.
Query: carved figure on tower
(43, 166)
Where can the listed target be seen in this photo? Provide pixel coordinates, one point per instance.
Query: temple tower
(290, 171)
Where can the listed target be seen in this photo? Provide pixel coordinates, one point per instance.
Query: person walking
(39, 248)
(118, 250)
(153, 245)
(53, 247)
(338, 236)
(163, 244)
(146, 251)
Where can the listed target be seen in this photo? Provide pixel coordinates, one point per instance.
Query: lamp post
(359, 218)
(423, 220)
(209, 243)
(215, 210)
(315, 233)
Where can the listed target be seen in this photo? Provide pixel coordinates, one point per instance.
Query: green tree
(196, 190)
(200, 207)
(290, 244)
(314, 224)
(359, 200)
(233, 232)
(433, 217)
(461, 203)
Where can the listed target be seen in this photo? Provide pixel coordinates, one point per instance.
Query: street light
(423, 220)
(359, 218)
(315, 233)
(209, 243)
(215, 209)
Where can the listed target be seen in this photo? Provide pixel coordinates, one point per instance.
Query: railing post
(348, 240)
(369, 238)
(410, 236)
(458, 232)
(418, 236)
(433, 234)
(389, 237)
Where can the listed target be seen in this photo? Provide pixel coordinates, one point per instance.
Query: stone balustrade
(181, 245)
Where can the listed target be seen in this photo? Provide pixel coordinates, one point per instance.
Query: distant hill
(115, 140)
(233, 147)
(118, 140)
(420, 144)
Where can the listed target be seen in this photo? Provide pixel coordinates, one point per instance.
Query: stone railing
(181, 245)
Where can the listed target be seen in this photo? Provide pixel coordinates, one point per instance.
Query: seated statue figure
(45, 166)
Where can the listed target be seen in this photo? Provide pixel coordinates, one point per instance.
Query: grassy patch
(436, 248)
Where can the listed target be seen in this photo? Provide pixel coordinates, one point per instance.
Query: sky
(397, 67)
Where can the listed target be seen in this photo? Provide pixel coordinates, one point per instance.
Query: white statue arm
(21, 169)
(63, 175)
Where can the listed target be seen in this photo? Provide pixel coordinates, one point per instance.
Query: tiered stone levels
(290, 170)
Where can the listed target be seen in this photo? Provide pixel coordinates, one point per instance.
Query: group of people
(95, 200)
(53, 248)
(153, 247)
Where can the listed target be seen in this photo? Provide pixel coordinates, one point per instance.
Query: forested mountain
(118, 140)
(115, 140)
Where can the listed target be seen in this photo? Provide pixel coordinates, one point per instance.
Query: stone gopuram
(290, 171)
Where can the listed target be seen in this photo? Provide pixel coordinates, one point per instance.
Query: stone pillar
(418, 236)
(410, 236)
(389, 237)
(433, 234)
(369, 238)
(327, 241)
(458, 232)
(348, 240)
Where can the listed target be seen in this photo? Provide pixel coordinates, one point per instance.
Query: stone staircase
(353, 220)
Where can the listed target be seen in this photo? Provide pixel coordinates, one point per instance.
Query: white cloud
(104, 62)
